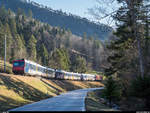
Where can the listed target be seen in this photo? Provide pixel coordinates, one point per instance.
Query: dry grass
(8, 67)
(93, 102)
(18, 90)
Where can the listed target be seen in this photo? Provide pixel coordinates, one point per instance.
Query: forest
(128, 81)
(49, 46)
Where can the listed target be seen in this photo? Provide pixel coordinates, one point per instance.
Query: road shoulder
(93, 102)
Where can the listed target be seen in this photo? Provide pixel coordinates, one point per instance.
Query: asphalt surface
(70, 101)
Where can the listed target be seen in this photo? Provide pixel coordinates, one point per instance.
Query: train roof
(18, 60)
(57, 70)
(69, 73)
(88, 74)
(33, 63)
(51, 69)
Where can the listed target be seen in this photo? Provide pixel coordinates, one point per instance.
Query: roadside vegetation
(128, 57)
(95, 102)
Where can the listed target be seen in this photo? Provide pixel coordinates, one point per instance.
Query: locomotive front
(18, 66)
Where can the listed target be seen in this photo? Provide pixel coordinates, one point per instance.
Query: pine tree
(60, 60)
(140, 88)
(19, 47)
(111, 91)
(9, 39)
(43, 54)
(96, 60)
(127, 48)
(146, 44)
(78, 64)
(32, 48)
(12, 24)
(67, 42)
(3, 14)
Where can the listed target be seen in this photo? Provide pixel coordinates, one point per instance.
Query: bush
(112, 90)
(140, 87)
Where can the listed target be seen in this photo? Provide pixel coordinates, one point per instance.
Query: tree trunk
(134, 12)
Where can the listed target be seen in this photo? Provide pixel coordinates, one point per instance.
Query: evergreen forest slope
(49, 46)
(76, 24)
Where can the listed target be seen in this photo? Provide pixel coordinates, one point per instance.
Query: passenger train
(26, 67)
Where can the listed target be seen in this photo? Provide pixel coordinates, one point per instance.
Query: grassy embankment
(8, 67)
(94, 102)
(18, 90)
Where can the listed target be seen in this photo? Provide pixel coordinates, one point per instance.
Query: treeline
(129, 61)
(49, 46)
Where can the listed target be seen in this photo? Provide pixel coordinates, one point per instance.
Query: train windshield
(18, 64)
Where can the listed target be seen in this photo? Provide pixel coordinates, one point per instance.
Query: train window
(39, 68)
(49, 72)
(31, 66)
(34, 67)
(27, 64)
(18, 64)
(42, 70)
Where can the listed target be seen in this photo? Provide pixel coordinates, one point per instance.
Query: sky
(76, 7)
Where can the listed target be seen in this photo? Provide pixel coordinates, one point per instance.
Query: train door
(82, 77)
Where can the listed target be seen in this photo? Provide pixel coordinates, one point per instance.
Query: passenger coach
(26, 67)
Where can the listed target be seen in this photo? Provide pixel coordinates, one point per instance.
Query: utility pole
(5, 55)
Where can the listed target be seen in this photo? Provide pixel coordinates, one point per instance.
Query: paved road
(71, 101)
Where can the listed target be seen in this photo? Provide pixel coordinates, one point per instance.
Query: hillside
(49, 46)
(76, 24)
(18, 90)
